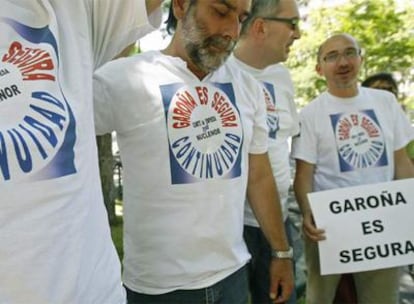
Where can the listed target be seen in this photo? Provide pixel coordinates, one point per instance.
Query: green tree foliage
(384, 28)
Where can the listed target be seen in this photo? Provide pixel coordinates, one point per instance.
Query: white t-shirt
(55, 243)
(351, 141)
(184, 145)
(282, 121)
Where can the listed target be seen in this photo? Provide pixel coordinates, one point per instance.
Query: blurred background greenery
(384, 28)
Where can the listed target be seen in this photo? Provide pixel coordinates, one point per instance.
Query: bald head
(339, 62)
(332, 41)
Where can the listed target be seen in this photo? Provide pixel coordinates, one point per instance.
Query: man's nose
(232, 28)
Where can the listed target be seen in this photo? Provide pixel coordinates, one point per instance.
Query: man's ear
(318, 69)
(258, 28)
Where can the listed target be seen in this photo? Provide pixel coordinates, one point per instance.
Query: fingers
(283, 295)
(282, 282)
(311, 231)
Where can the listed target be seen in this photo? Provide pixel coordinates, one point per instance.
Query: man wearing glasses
(265, 41)
(322, 153)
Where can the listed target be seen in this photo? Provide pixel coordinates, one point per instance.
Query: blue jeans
(231, 290)
(258, 267)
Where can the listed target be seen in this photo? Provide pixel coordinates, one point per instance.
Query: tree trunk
(106, 170)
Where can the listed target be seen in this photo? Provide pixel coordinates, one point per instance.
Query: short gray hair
(260, 8)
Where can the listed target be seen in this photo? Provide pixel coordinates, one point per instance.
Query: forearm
(303, 184)
(264, 200)
(404, 168)
(301, 188)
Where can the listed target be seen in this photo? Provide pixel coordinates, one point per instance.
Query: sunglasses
(293, 22)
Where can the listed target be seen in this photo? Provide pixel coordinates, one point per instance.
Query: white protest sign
(367, 227)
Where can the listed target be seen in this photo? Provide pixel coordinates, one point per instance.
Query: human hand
(281, 280)
(310, 229)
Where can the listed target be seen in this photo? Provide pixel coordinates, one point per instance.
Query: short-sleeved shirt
(55, 243)
(184, 145)
(351, 141)
(282, 122)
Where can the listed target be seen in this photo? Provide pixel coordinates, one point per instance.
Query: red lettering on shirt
(33, 63)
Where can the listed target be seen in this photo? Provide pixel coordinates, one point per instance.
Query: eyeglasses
(348, 54)
(293, 22)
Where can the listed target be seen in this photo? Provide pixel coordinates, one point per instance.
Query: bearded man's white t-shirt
(184, 146)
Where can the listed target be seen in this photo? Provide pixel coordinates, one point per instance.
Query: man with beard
(349, 136)
(265, 41)
(193, 139)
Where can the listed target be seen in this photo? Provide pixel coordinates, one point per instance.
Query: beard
(346, 83)
(207, 52)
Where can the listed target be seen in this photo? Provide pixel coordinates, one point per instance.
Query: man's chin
(212, 66)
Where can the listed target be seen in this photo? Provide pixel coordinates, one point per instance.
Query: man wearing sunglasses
(323, 162)
(265, 41)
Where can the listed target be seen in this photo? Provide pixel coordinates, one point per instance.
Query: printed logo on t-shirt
(272, 115)
(360, 141)
(37, 126)
(204, 131)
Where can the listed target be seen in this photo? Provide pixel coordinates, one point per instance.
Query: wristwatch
(277, 254)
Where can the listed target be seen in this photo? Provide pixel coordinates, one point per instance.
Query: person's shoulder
(378, 96)
(314, 106)
(148, 56)
(279, 69)
(232, 66)
(384, 94)
(280, 75)
(316, 101)
(239, 75)
(123, 65)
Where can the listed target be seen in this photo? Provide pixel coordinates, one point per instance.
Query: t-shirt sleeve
(294, 130)
(304, 145)
(259, 143)
(103, 115)
(118, 24)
